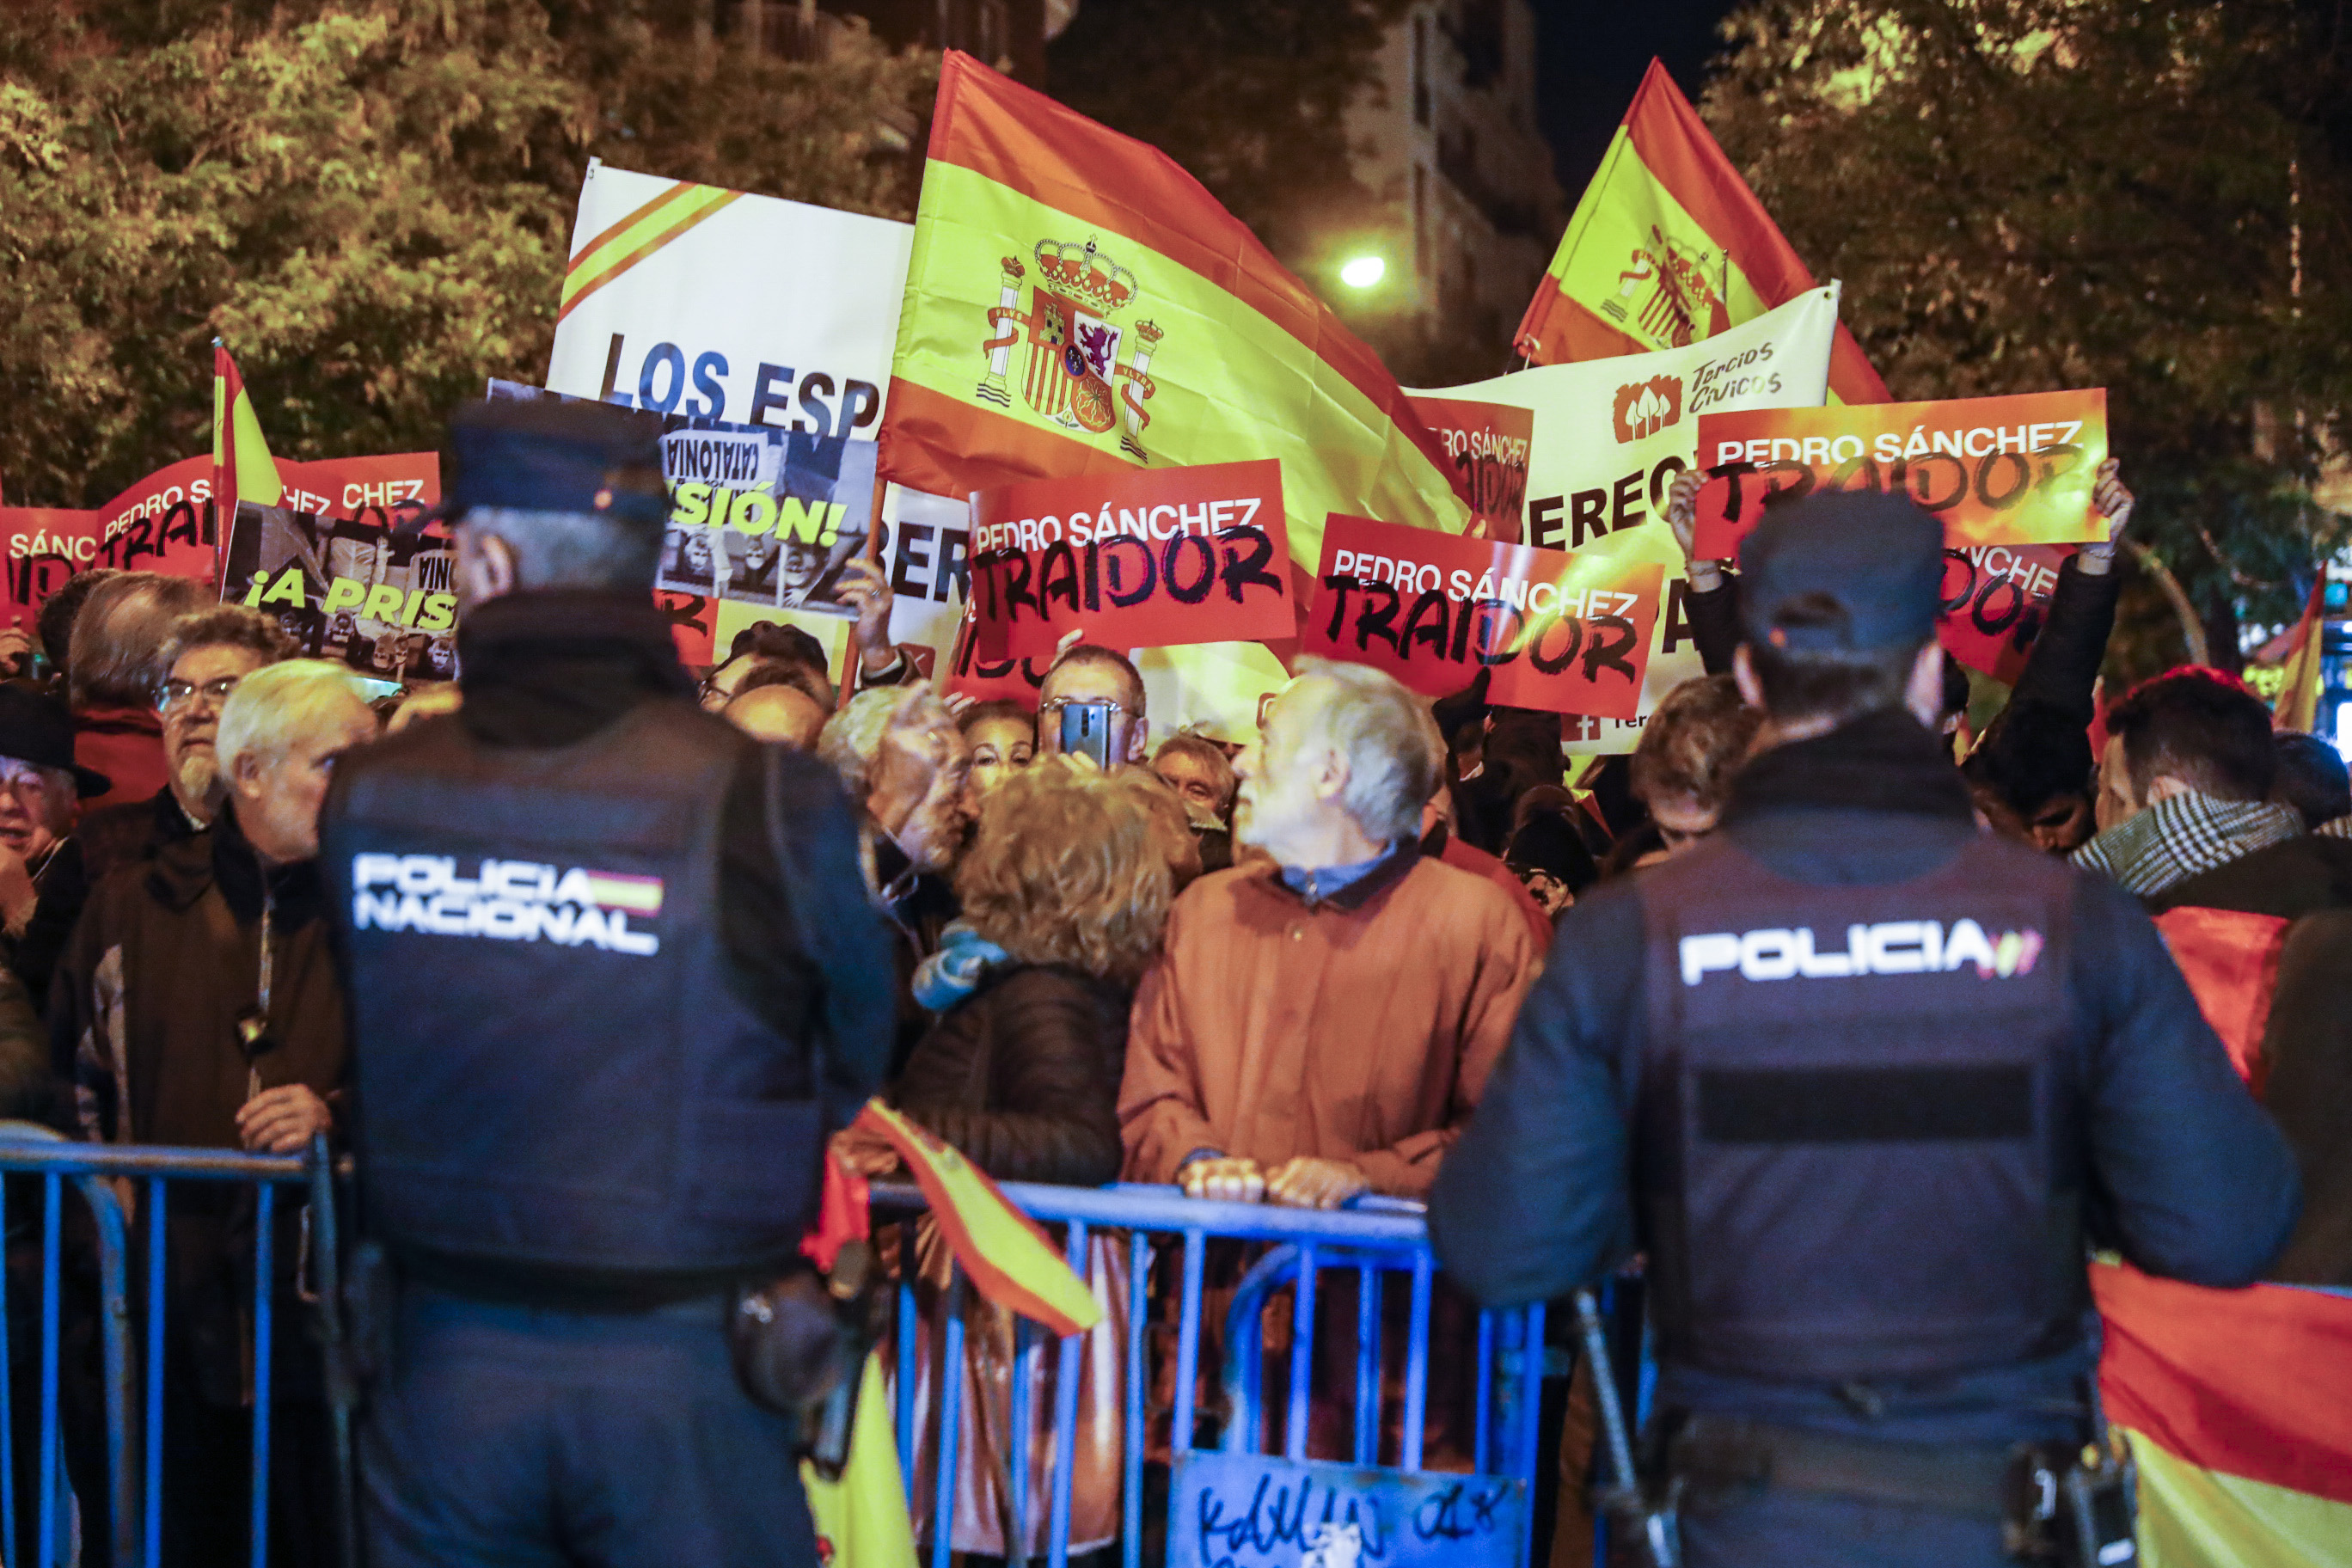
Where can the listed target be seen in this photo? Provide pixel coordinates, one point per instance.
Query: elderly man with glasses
(204, 655)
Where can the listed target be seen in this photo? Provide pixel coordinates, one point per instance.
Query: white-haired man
(1323, 1027)
(906, 765)
(199, 1004)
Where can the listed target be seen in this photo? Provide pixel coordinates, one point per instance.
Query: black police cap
(1872, 566)
(544, 455)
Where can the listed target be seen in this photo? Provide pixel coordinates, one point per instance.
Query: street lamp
(1363, 271)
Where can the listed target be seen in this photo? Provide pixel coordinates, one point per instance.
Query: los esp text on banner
(1995, 470)
(1147, 558)
(1560, 632)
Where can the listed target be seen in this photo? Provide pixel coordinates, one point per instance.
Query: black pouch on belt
(800, 1345)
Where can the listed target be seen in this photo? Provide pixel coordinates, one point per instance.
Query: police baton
(1653, 1530)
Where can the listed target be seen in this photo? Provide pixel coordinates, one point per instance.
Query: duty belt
(1724, 1454)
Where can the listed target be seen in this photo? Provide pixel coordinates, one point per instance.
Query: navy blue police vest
(552, 1065)
(1859, 1144)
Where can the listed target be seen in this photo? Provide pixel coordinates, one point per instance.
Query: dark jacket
(2186, 1175)
(2305, 874)
(143, 1014)
(110, 837)
(1023, 1076)
(143, 1011)
(2307, 1047)
(550, 670)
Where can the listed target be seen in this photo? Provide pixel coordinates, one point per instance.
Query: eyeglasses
(177, 692)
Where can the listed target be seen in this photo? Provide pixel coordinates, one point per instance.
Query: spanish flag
(1075, 303)
(2296, 706)
(1667, 246)
(2238, 1402)
(243, 468)
(2239, 1405)
(1011, 1260)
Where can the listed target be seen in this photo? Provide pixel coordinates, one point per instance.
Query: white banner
(1612, 434)
(689, 299)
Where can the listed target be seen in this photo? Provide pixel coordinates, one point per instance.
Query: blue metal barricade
(121, 1186)
(1483, 1516)
(1282, 1499)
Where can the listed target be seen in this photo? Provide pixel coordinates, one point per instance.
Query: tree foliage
(2021, 195)
(370, 201)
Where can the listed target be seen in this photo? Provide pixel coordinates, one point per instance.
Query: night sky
(1594, 55)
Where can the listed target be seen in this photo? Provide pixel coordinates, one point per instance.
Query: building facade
(1446, 141)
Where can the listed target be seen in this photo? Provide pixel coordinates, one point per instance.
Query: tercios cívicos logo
(508, 900)
(1889, 947)
(1646, 407)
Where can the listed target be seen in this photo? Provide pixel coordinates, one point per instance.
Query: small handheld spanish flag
(243, 468)
(1012, 1260)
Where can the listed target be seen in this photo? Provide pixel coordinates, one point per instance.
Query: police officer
(1861, 1080)
(613, 985)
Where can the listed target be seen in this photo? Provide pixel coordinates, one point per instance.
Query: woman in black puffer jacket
(1064, 891)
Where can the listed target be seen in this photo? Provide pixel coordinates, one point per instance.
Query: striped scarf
(2185, 836)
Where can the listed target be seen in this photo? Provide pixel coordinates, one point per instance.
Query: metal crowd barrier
(125, 1188)
(117, 1182)
(1372, 1242)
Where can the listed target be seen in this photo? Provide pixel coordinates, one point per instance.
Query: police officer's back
(613, 984)
(1860, 1082)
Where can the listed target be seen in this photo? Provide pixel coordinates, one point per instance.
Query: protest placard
(45, 546)
(1486, 444)
(1564, 633)
(1996, 470)
(1139, 558)
(365, 590)
(1612, 434)
(1996, 598)
(695, 299)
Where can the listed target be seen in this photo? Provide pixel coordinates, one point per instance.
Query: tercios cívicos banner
(1487, 448)
(374, 591)
(1610, 437)
(1565, 633)
(1997, 470)
(1136, 558)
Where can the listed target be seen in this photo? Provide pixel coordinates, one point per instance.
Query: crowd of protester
(1281, 971)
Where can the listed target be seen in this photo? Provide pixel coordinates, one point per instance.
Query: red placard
(1995, 470)
(162, 523)
(1567, 633)
(1140, 558)
(1996, 598)
(46, 545)
(1486, 447)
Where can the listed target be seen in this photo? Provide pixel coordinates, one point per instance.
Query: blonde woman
(1069, 879)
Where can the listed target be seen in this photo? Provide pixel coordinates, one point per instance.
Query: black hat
(542, 454)
(37, 730)
(1878, 560)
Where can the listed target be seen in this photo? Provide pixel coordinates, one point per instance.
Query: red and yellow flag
(1012, 1261)
(638, 235)
(2297, 704)
(2239, 1403)
(243, 468)
(1667, 246)
(1076, 302)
